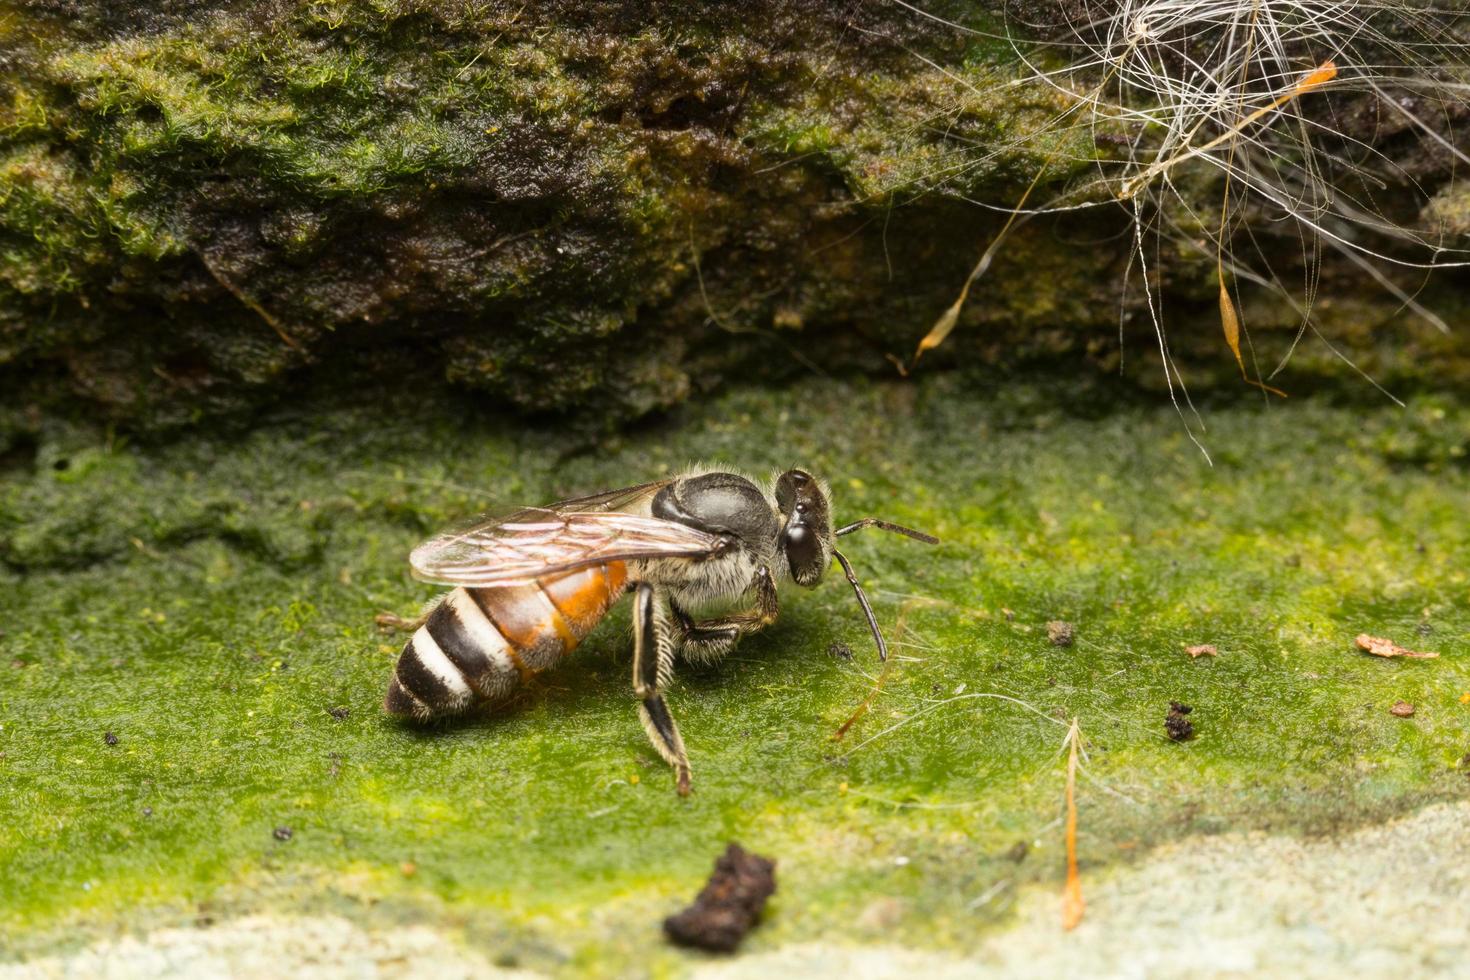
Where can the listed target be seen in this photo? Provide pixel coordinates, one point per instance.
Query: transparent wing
(541, 541)
(624, 498)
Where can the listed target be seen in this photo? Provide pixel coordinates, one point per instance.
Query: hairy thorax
(721, 503)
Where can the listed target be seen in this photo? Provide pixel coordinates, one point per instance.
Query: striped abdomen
(479, 644)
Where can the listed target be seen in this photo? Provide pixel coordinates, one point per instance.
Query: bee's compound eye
(802, 550)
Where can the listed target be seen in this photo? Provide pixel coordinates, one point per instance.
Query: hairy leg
(653, 668)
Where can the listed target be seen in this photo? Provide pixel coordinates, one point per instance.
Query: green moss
(1449, 210)
(208, 603)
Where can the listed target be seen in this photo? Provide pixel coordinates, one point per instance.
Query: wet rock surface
(207, 208)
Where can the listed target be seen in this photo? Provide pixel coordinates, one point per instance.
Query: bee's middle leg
(653, 669)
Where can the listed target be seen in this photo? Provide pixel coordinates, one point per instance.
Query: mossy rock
(206, 207)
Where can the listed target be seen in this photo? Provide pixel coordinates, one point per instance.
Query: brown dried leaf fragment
(1383, 647)
(729, 905)
(1402, 709)
(1202, 650)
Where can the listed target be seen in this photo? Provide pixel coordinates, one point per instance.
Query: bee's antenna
(863, 601)
(886, 526)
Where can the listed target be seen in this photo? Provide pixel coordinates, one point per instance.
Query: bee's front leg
(708, 640)
(653, 669)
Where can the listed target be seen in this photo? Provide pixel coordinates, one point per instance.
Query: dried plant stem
(867, 704)
(1320, 76)
(249, 303)
(898, 632)
(1229, 319)
(1073, 905)
(946, 323)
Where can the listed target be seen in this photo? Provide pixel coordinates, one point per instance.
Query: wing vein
(537, 542)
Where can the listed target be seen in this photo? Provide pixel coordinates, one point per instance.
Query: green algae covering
(190, 725)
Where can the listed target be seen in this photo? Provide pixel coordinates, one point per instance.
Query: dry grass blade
(946, 322)
(1073, 905)
(1230, 321)
(867, 704)
(1320, 76)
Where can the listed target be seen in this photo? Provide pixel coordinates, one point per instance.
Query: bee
(702, 554)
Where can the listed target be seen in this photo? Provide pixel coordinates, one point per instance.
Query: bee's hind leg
(390, 622)
(704, 641)
(393, 623)
(653, 669)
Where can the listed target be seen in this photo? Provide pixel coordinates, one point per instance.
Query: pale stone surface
(264, 947)
(1387, 901)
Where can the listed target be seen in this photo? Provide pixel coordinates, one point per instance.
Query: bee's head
(809, 541)
(806, 531)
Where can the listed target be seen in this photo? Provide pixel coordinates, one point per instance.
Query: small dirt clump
(1402, 709)
(1059, 633)
(281, 833)
(109, 738)
(340, 713)
(1202, 650)
(1176, 726)
(729, 905)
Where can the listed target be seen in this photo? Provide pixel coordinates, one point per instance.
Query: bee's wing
(624, 498)
(537, 542)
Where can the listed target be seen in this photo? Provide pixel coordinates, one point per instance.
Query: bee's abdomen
(479, 644)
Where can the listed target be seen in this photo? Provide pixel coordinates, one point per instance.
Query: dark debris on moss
(729, 905)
